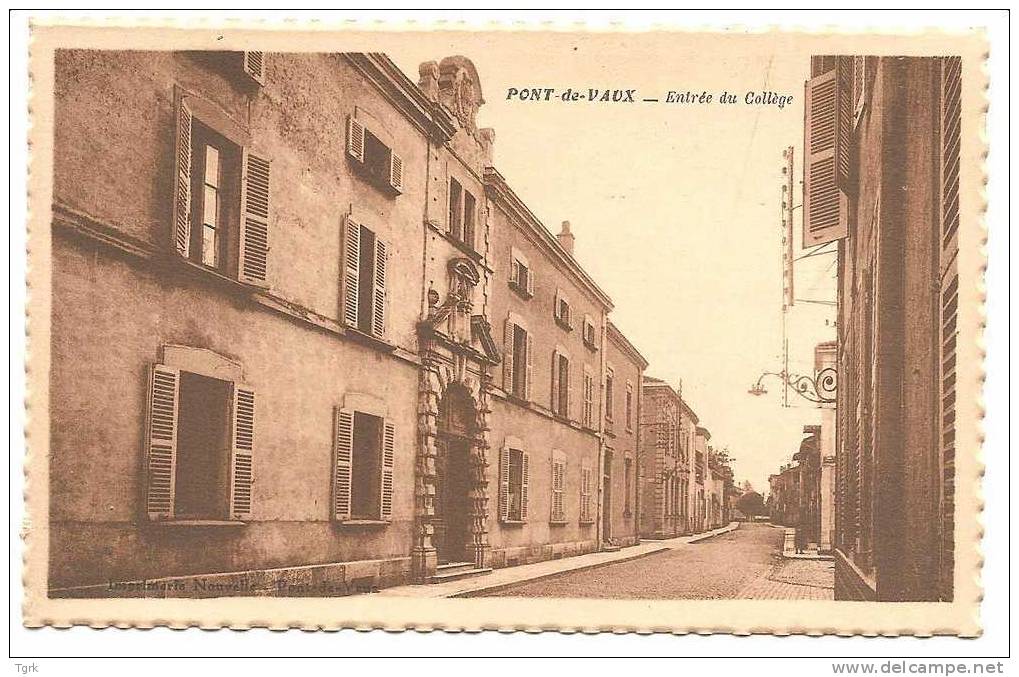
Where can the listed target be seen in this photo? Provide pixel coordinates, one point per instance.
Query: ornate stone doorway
(451, 521)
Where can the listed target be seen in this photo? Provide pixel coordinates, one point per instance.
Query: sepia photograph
(564, 323)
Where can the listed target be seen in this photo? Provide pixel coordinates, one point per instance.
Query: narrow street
(743, 564)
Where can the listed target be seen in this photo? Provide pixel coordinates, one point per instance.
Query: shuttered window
(221, 201)
(200, 446)
(588, 397)
(827, 133)
(364, 279)
(364, 455)
(558, 506)
(561, 386)
(586, 500)
(379, 163)
(514, 484)
(521, 277)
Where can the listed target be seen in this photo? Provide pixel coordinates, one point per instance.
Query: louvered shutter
(514, 270)
(343, 461)
(242, 451)
(525, 481)
(555, 381)
(388, 460)
(396, 172)
(379, 290)
(351, 271)
(530, 281)
(253, 248)
(951, 120)
(504, 470)
(529, 376)
(182, 191)
(161, 441)
(569, 390)
(355, 139)
(827, 113)
(254, 66)
(507, 357)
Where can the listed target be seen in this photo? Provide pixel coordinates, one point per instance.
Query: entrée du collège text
(595, 95)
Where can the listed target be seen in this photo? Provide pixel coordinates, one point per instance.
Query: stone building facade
(294, 276)
(891, 200)
(624, 373)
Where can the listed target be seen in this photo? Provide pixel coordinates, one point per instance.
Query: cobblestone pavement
(745, 563)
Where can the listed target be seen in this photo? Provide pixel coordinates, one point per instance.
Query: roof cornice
(624, 344)
(404, 94)
(498, 189)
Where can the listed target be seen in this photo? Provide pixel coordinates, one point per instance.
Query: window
(562, 312)
(381, 166)
(590, 339)
(364, 280)
(514, 478)
(560, 384)
(517, 360)
(627, 485)
(586, 481)
(629, 406)
(588, 397)
(200, 441)
(221, 196)
(364, 448)
(609, 386)
(462, 213)
(521, 276)
(558, 512)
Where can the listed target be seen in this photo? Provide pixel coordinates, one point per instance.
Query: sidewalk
(789, 549)
(501, 578)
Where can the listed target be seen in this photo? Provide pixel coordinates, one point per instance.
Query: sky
(675, 207)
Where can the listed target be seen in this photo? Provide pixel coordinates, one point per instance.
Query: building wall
(116, 307)
(622, 438)
(533, 422)
(890, 475)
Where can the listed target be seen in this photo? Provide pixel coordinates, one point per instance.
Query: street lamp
(821, 389)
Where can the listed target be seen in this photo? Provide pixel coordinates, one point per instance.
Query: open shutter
(529, 377)
(379, 290)
(253, 247)
(343, 461)
(525, 481)
(507, 358)
(351, 271)
(555, 381)
(355, 139)
(530, 281)
(182, 192)
(242, 449)
(161, 441)
(514, 269)
(827, 112)
(254, 66)
(396, 172)
(388, 459)
(504, 469)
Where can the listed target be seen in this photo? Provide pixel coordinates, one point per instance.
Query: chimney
(566, 238)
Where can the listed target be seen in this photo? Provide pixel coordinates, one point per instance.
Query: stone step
(446, 572)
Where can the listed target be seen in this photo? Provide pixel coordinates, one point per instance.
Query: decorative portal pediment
(460, 90)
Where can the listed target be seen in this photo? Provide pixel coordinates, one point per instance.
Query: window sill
(199, 270)
(586, 522)
(197, 523)
(513, 523)
(362, 523)
(379, 183)
(520, 291)
(462, 246)
(369, 340)
(590, 345)
(558, 523)
(563, 324)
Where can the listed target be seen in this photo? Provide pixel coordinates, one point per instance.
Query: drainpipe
(600, 475)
